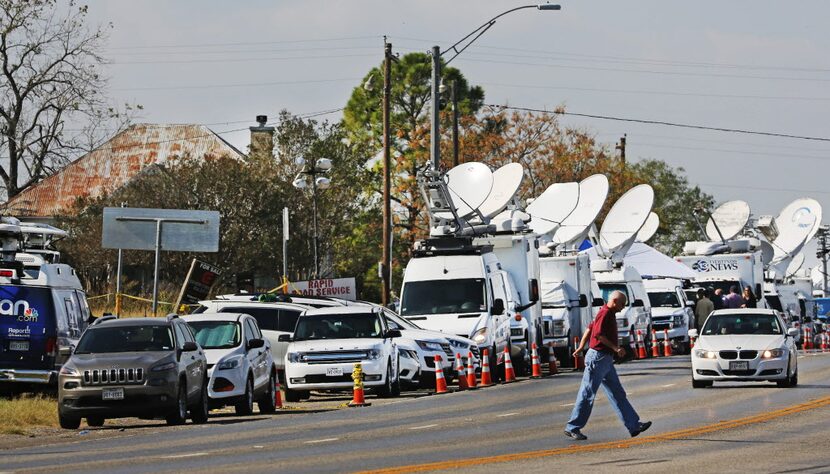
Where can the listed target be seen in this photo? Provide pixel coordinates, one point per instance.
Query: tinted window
(444, 296)
(338, 326)
(266, 317)
(726, 324)
(607, 288)
(97, 340)
(180, 337)
(217, 334)
(254, 328)
(288, 320)
(664, 299)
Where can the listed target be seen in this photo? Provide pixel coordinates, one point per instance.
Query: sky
(750, 65)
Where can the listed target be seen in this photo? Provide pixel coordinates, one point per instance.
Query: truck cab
(636, 317)
(671, 312)
(566, 302)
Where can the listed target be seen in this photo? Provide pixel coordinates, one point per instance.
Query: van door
(27, 328)
(255, 357)
(501, 331)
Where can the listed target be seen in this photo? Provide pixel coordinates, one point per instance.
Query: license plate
(18, 345)
(113, 394)
(334, 371)
(739, 365)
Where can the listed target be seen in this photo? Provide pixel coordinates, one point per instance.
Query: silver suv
(143, 367)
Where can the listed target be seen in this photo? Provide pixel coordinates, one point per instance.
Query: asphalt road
(736, 427)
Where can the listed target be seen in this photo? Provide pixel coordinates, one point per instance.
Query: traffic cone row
(552, 368)
(462, 376)
(655, 351)
(471, 371)
(535, 365)
(667, 343)
(641, 352)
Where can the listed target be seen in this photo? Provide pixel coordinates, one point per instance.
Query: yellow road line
(584, 448)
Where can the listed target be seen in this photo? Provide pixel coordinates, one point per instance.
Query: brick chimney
(262, 140)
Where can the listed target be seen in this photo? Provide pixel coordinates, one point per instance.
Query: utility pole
(822, 252)
(454, 99)
(434, 128)
(386, 265)
(621, 146)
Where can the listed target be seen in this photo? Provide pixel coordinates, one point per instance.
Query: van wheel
(95, 421)
(245, 406)
(200, 413)
(268, 402)
(68, 422)
(178, 415)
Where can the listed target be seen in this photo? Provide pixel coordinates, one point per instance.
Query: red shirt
(604, 324)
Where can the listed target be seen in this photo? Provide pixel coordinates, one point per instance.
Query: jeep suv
(142, 367)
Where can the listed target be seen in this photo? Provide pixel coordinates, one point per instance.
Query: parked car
(240, 367)
(737, 345)
(328, 342)
(143, 367)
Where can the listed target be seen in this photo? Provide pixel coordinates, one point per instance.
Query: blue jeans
(599, 370)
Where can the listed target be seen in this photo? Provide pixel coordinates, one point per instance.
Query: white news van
(637, 315)
(567, 297)
(726, 270)
(670, 311)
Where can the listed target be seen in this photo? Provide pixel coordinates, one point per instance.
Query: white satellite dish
(550, 209)
(625, 219)
(795, 265)
(593, 191)
(469, 185)
(767, 252)
(649, 228)
(796, 225)
(731, 218)
(506, 183)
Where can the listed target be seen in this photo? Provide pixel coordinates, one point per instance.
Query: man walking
(599, 370)
(703, 308)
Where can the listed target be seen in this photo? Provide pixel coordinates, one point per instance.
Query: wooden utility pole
(621, 146)
(454, 98)
(386, 264)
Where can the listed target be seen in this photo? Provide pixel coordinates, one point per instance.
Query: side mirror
(638, 303)
(692, 332)
(255, 343)
(498, 307)
(597, 302)
(583, 301)
(792, 332)
(393, 333)
(284, 338)
(189, 346)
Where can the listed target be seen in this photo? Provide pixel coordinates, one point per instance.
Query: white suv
(328, 342)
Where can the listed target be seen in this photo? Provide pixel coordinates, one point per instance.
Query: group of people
(709, 299)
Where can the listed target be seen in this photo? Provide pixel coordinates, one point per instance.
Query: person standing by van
(599, 370)
(703, 308)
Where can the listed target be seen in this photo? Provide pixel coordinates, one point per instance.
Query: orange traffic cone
(552, 368)
(440, 381)
(535, 364)
(486, 378)
(471, 371)
(459, 368)
(691, 342)
(641, 350)
(667, 343)
(632, 346)
(825, 342)
(808, 339)
(278, 394)
(358, 399)
(579, 362)
(509, 374)
(655, 351)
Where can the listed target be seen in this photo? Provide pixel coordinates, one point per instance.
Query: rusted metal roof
(115, 163)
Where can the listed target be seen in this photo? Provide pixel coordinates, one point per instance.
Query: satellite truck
(477, 275)
(567, 291)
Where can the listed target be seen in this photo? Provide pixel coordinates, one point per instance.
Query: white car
(328, 342)
(744, 345)
(240, 367)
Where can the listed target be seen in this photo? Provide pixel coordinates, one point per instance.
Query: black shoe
(575, 434)
(641, 428)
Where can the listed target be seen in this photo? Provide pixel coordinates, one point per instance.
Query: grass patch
(19, 414)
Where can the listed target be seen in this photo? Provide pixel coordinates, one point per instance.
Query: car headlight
(69, 370)
(163, 367)
(294, 357)
(704, 354)
(480, 336)
(373, 353)
(430, 346)
(457, 344)
(229, 364)
(772, 354)
(678, 321)
(408, 354)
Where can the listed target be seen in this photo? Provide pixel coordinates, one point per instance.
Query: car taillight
(51, 346)
(7, 273)
(518, 316)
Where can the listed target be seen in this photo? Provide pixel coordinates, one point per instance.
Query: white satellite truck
(671, 312)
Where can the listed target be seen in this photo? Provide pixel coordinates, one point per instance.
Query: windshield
(664, 299)
(126, 339)
(399, 321)
(443, 296)
(216, 334)
(607, 288)
(337, 326)
(749, 323)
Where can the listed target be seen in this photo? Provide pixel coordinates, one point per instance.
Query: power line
(664, 123)
(242, 60)
(760, 188)
(219, 86)
(248, 43)
(704, 140)
(739, 152)
(247, 51)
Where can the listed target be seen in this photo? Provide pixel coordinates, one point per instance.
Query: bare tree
(51, 76)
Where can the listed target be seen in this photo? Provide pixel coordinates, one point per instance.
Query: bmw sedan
(744, 345)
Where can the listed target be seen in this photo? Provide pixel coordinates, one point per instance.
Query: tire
(292, 396)
(396, 388)
(493, 359)
(199, 414)
(790, 381)
(245, 406)
(178, 416)
(701, 383)
(268, 402)
(387, 390)
(68, 422)
(95, 421)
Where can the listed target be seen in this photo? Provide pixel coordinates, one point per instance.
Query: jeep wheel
(199, 413)
(268, 402)
(178, 415)
(245, 406)
(68, 422)
(292, 396)
(95, 421)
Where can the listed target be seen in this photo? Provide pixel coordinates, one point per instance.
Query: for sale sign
(200, 279)
(344, 288)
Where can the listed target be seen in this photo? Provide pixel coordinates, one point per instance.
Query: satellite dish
(649, 228)
(731, 218)
(593, 191)
(625, 219)
(550, 209)
(767, 252)
(797, 223)
(469, 185)
(795, 264)
(506, 183)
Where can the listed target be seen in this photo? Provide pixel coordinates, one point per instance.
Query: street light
(435, 151)
(316, 172)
